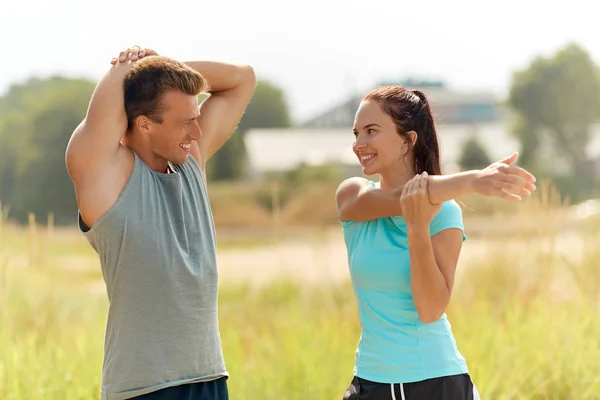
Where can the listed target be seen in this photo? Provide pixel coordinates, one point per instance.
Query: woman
(404, 236)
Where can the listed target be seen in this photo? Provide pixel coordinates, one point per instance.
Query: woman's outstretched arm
(358, 200)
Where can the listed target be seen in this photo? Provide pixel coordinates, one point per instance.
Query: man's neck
(155, 163)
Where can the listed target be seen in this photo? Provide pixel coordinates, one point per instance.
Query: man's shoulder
(97, 190)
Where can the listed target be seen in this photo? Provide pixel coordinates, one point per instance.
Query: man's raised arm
(98, 136)
(231, 88)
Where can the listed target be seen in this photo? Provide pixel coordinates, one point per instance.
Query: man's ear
(143, 124)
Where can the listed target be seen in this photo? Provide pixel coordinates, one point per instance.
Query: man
(137, 162)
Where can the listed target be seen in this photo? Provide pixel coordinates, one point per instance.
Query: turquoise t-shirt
(395, 346)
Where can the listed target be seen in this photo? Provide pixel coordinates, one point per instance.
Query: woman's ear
(412, 137)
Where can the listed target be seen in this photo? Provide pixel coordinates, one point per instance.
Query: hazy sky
(318, 51)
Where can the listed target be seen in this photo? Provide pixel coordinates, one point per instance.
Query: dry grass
(524, 311)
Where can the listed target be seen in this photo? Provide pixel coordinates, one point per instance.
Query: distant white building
(327, 138)
(272, 150)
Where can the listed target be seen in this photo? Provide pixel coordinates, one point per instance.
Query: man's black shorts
(213, 390)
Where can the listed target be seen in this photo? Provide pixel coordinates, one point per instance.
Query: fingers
(426, 188)
(149, 52)
(408, 189)
(515, 179)
(416, 186)
(422, 182)
(506, 167)
(510, 159)
(133, 53)
(512, 188)
(425, 182)
(405, 190)
(505, 195)
(122, 57)
(136, 53)
(524, 174)
(124, 54)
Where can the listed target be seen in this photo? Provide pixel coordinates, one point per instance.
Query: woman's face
(378, 146)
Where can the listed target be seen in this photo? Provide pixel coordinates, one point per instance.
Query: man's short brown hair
(150, 78)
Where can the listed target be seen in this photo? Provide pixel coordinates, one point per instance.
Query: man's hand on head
(133, 53)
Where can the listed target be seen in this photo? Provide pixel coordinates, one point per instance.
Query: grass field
(524, 312)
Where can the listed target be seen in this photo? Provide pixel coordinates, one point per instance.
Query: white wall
(282, 149)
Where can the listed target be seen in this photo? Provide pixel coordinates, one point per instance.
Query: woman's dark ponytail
(410, 111)
(426, 149)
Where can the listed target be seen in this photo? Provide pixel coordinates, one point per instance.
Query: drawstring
(401, 391)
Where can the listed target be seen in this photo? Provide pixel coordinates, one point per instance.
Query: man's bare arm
(98, 136)
(231, 88)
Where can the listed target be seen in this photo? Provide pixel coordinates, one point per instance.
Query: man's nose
(195, 132)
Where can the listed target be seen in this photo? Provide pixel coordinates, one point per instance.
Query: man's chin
(180, 160)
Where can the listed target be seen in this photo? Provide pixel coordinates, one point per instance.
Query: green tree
(37, 120)
(268, 108)
(556, 101)
(473, 155)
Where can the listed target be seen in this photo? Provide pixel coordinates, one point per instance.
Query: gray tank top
(157, 251)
